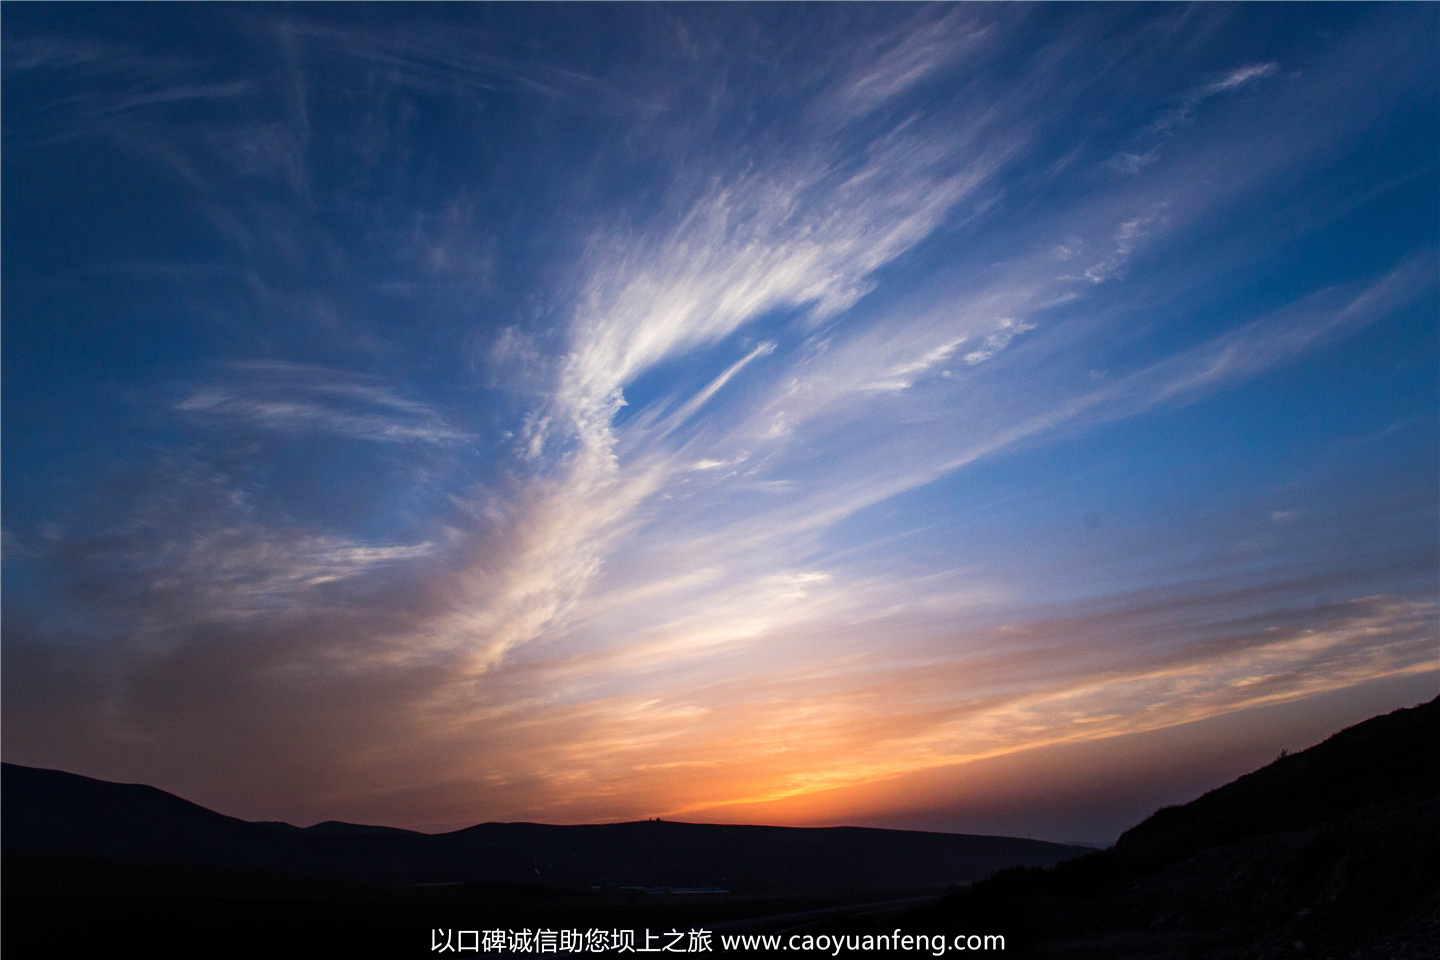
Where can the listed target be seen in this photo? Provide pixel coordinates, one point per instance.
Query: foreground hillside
(1332, 852)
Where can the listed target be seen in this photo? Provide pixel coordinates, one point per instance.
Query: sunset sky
(987, 418)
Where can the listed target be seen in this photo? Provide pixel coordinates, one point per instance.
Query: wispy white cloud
(1269, 341)
(902, 375)
(1010, 328)
(64, 53)
(239, 574)
(440, 58)
(1183, 112)
(912, 55)
(870, 458)
(119, 88)
(293, 398)
(1127, 162)
(808, 241)
(187, 549)
(1127, 237)
(1240, 76)
(694, 403)
(805, 239)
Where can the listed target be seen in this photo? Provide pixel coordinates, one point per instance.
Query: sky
(991, 418)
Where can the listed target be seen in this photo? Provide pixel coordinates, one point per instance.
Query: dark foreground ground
(226, 914)
(1332, 852)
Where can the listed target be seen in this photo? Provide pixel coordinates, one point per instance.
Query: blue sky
(431, 414)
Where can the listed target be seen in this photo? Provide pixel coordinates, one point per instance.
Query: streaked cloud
(1183, 112)
(293, 398)
(909, 56)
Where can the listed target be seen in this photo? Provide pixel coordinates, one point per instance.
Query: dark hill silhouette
(47, 810)
(112, 865)
(1385, 759)
(1330, 852)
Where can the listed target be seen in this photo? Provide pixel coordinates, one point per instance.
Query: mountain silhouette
(1330, 852)
(51, 811)
(114, 863)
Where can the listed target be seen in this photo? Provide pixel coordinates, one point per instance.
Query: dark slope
(1385, 759)
(1332, 852)
(64, 812)
(46, 810)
